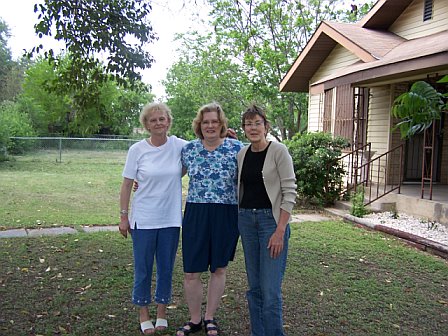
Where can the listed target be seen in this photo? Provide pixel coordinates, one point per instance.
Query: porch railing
(379, 176)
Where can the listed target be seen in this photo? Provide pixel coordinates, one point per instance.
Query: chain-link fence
(61, 145)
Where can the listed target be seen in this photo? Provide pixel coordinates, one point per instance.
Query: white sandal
(161, 324)
(147, 325)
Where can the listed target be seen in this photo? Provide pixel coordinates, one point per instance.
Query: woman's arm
(125, 196)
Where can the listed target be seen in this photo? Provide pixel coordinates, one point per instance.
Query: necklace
(150, 142)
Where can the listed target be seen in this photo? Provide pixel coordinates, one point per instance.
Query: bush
(319, 176)
(13, 123)
(358, 208)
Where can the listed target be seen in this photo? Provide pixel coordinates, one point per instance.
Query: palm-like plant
(418, 108)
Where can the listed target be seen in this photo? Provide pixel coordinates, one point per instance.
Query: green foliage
(264, 38)
(204, 74)
(105, 107)
(417, 109)
(358, 208)
(13, 123)
(243, 60)
(91, 28)
(318, 173)
(5, 57)
(47, 110)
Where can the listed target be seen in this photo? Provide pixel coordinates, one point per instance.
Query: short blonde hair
(212, 107)
(148, 109)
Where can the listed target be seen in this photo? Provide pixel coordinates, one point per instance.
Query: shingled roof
(370, 41)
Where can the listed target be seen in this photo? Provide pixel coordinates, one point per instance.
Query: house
(353, 72)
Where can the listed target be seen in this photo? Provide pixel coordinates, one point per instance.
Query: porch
(384, 188)
(410, 202)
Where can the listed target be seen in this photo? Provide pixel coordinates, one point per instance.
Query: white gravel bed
(419, 227)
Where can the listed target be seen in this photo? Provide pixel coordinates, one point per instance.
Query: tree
(13, 122)
(257, 40)
(266, 37)
(107, 107)
(90, 28)
(6, 62)
(204, 74)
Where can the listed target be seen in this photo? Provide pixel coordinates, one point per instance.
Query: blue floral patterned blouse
(213, 175)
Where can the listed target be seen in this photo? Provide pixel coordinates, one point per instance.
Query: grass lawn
(340, 280)
(36, 191)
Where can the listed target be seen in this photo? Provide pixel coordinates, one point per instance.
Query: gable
(411, 25)
(338, 59)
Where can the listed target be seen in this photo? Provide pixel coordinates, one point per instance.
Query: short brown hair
(252, 111)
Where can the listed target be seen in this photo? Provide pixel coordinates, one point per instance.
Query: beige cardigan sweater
(278, 177)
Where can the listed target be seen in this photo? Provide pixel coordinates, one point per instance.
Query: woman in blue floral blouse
(210, 224)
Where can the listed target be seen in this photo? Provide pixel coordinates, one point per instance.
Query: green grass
(340, 280)
(37, 191)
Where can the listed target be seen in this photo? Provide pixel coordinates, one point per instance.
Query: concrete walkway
(54, 231)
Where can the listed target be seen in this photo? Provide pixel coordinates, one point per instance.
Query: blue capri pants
(147, 244)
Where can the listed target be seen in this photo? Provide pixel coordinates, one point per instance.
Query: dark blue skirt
(209, 236)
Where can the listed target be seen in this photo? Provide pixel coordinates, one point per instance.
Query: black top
(255, 195)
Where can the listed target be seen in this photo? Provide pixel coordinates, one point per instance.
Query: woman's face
(255, 129)
(158, 123)
(210, 126)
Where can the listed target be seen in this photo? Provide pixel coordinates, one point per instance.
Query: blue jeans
(147, 244)
(264, 274)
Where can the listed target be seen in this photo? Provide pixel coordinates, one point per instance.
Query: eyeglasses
(256, 124)
(155, 120)
(210, 122)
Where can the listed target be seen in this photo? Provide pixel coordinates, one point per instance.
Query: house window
(343, 120)
(428, 10)
(328, 108)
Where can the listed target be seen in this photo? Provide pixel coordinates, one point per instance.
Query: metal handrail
(362, 173)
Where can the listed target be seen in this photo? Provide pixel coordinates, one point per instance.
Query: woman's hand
(135, 186)
(124, 226)
(232, 134)
(276, 242)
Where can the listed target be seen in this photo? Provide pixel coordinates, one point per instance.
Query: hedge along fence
(60, 144)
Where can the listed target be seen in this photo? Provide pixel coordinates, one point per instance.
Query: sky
(168, 18)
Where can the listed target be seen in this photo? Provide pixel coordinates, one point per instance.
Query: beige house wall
(315, 112)
(395, 174)
(410, 24)
(378, 128)
(379, 118)
(338, 58)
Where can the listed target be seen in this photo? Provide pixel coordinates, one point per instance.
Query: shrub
(13, 123)
(318, 173)
(358, 208)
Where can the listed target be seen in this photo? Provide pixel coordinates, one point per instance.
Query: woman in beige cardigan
(267, 192)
